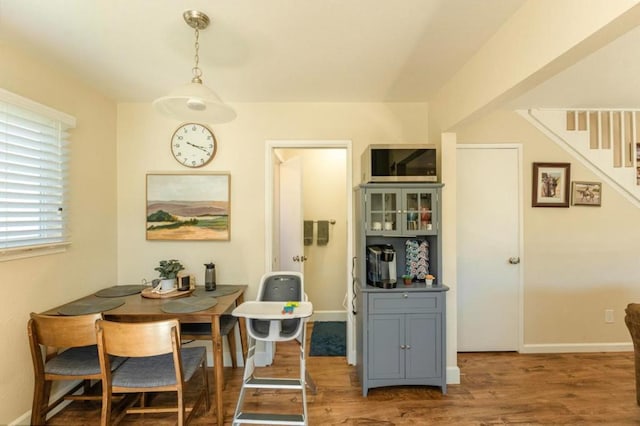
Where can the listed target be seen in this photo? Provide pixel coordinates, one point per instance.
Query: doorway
(327, 278)
(489, 243)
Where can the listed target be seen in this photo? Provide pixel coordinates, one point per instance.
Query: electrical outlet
(608, 316)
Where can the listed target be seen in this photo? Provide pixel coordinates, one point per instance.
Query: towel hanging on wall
(308, 232)
(323, 233)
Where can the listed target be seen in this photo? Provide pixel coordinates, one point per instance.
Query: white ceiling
(289, 50)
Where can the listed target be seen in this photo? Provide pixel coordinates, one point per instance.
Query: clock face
(193, 145)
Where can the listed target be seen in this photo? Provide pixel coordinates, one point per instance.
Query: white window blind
(33, 175)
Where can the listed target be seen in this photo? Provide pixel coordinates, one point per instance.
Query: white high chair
(267, 321)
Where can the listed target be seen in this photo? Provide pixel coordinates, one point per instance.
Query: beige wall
(578, 261)
(39, 283)
(143, 147)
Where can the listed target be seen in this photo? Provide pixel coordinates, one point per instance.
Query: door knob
(514, 260)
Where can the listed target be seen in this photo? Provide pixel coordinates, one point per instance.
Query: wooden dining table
(137, 308)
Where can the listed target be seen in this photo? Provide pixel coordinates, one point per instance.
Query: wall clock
(193, 145)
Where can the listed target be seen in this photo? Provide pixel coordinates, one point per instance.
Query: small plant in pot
(408, 279)
(168, 270)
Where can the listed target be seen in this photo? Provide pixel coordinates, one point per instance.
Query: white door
(488, 247)
(291, 216)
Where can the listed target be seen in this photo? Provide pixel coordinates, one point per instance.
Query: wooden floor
(495, 388)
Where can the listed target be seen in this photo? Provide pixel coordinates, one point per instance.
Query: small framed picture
(550, 184)
(586, 194)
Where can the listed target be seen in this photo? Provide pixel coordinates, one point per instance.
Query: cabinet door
(423, 347)
(386, 358)
(383, 212)
(419, 212)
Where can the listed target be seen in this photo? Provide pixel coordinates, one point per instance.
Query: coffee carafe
(210, 277)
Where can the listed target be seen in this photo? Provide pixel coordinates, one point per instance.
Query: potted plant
(408, 279)
(429, 279)
(168, 270)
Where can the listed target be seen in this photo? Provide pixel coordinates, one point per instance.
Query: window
(33, 176)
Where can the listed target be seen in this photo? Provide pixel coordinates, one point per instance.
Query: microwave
(399, 163)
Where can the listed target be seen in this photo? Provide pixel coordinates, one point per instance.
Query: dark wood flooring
(495, 388)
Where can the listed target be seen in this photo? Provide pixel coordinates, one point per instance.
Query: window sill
(32, 252)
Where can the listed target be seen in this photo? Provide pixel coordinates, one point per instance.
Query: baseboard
(453, 375)
(329, 316)
(549, 348)
(25, 419)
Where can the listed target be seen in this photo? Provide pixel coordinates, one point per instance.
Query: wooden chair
(156, 362)
(71, 353)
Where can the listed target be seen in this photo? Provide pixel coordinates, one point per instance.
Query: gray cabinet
(396, 211)
(404, 338)
(404, 347)
(401, 331)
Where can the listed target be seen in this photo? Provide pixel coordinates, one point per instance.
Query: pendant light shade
(195, 101)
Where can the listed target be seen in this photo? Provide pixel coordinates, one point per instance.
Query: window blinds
(33, 174)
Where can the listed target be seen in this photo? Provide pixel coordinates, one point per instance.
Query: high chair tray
(272, 310)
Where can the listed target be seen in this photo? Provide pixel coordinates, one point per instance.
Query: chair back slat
(65, 331)
(139, 339)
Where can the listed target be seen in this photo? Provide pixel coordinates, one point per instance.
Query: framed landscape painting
(550, 184)
(188, 206)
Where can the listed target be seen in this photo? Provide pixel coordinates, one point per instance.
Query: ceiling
(285, 50)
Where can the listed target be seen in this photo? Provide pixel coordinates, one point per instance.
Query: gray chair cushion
(81, 361)
(204, 329)
(146, 372)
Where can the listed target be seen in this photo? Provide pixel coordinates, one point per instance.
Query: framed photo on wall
(550, 184)
(586, 194)
(188, 206)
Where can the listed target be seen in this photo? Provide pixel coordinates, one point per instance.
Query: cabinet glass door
(418, 211)
(383, 212)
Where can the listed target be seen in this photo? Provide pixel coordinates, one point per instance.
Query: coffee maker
(381, 266)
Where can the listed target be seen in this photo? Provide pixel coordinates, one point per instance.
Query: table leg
(243, 329)
(218, 361)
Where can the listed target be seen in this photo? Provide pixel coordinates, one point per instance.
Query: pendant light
(194, 101)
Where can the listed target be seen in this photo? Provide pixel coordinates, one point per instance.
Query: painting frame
(188, 206)
(586, 193)
(550, 184)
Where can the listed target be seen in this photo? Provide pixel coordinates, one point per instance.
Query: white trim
(272, 145)
(453, 375)
(556, 348)
(25, 252)
(33, 106)
(328, 316)
(518, 147)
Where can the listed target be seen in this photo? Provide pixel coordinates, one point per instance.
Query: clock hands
(198, 146)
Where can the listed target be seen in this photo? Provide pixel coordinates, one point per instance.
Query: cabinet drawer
(405, 302)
